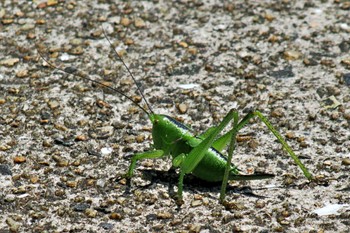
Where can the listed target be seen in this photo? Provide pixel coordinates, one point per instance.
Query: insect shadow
(170, 178)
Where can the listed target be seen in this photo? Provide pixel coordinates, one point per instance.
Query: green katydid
(199, 155)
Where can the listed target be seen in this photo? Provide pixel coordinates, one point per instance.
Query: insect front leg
(145, 155)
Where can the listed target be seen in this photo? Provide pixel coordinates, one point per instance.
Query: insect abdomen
(212, 167)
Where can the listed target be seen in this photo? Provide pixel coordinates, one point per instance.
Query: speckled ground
(64, 142)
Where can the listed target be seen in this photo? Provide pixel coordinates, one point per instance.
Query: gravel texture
(65, 142)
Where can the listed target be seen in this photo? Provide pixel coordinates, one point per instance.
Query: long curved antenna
(127, 68)
(86, 77)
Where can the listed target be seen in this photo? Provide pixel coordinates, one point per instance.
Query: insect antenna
(76, 72)
(127, 68)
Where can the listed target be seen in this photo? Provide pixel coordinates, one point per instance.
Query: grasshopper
(200, 155)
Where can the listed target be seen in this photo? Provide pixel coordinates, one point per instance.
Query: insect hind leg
(289, 150)
(240, 125)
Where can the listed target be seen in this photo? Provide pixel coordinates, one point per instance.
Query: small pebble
(139, 23)
(53, 104)
(19, 190)
(284, 222)
(193, 51)
(81, 138)
(310, 62)
(47, 143)
(285, 213)
(5, 170)
(106, 226)
(22, 74)
(176, 222)
(103, 104)
(121, 200)
(62, 163)
(97, 33)
(34, 179)
(269, 17)
(72, 183)
(243, 138)
(273, 38)
(52, 2)
(129, 41)
(60, 127)
(13, 225)
(60, 193)
(102, 133)
(115, 216)
(76, 41)
(27, 27)
(290, 135)
(328, 63)
(292, 55)
(9, 62)
(346, 162)
(31, 35)
(182, 108)
(158, 227)
(91, 213)
(164, 215)
(140, 138)
(125, 21)
(198, 197)
(277, 113)
(260, 204)
(327, 163)
(7, 21)
(183, 44)
(77, 51)
(80, 207)
(194, 228)
(19, 159)
(40, 21)
(91, 182)
(10, 198)
(346, 62)
(196, 203)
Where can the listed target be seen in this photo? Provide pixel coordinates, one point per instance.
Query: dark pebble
(106, 225)
(60, 141)
(287, 72)
(187, 70)
(5, 170)
(344, 46)
(70, 69)
(310, 62)
(347, 79)
(45, 115)
(81, 207)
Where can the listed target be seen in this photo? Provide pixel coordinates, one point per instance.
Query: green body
(175, 139)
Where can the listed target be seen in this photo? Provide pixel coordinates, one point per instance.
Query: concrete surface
(64, 142)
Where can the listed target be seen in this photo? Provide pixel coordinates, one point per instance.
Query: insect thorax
(168, 133)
